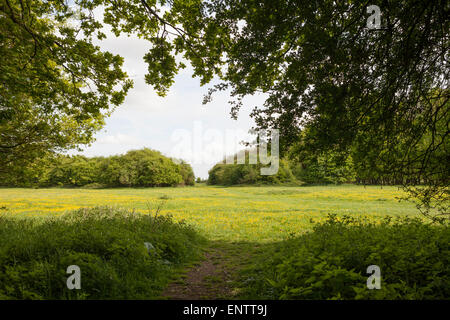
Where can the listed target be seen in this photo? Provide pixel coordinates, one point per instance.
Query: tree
(187, 173)
(56, 87)
(233, 173)
(321, 67)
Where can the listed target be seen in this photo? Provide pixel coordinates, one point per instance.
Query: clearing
(239, 222)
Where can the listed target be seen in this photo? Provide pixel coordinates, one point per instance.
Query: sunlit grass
(234, 214)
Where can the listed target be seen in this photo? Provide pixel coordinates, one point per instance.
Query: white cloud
(118, 139)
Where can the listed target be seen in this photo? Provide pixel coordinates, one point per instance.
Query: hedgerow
(136, 168)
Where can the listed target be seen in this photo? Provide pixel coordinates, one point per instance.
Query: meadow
(256, 214)
(210, 242)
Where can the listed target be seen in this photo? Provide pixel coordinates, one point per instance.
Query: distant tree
(136, 168)
(187, 173)
(232, 174)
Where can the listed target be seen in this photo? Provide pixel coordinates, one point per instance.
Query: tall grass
(121, 254)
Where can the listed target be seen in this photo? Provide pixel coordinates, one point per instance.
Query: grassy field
(240, 246)
(253, 214)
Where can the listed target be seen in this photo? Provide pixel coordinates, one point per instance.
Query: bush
(331, 262)
(234, 174)
(121, 254)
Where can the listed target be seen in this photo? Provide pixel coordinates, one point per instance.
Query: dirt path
(214, 278)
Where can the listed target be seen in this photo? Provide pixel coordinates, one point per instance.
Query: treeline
(231, 174)
(322, 170)
(137, 168)
(302, 167)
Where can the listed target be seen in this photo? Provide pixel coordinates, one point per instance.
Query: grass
(121, 254)
(251, 214)
(251, 232)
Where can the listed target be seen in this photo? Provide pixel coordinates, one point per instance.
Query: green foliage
(148, 168)
(324, 168)
(331, 262)
(232, 174)
(56, 85)
(107, 244)
(299, 166)
(137, 168)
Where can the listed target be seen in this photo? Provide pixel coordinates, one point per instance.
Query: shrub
(331, 262)
(121, 254)
(234, 174)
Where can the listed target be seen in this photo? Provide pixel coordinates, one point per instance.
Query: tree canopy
(56, 86)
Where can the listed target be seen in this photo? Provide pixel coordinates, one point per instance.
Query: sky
(177, 125)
